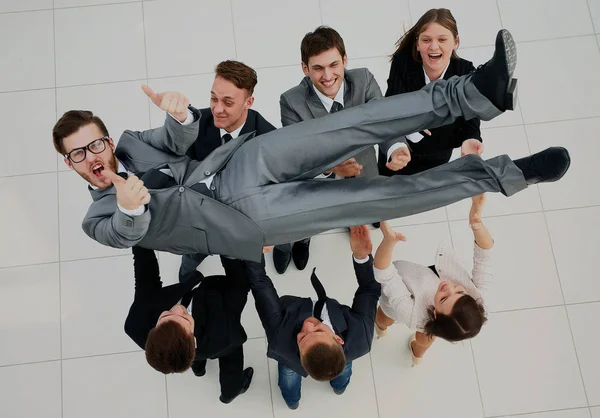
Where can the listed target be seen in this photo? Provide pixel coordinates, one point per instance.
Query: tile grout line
(167, 395)
(146, 61)
(320, 12)
(520, 414)
(269, 374)
(477, 377)
(62, 400)
(587, 2)
(564, 305)
(374, 384)
(233, 29)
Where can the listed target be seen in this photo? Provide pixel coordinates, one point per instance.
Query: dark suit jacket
(301, 103)
(217, 304)
(406, 75)
(209, 136)
(282, 317)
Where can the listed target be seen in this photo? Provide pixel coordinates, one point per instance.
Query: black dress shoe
(300, 254)
(494, 78)
(545, 166)
(376, 224)
(246, 380)
(281, 259)
(199, 368)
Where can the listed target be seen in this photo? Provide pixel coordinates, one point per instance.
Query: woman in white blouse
(437, 301)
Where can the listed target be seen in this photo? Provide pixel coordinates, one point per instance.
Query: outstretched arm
(266, 298)
(482, 263)
(369, 291)
(146, 271)
(181, 125)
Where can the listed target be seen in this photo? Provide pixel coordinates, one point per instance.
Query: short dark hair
(71, 122)
(322, 39)
(324, 362)
(465, 320)
(238, 73)
(169, 348)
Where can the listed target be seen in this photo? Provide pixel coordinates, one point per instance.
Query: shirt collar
(234, 134)
(327, 102)
(427, 80)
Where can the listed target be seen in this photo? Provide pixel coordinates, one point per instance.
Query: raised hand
(471, 146)
(399, 159)
(477, 203)
(360, 241)
(131, 193)
(170, 101)
(389, 234)
(349, 168)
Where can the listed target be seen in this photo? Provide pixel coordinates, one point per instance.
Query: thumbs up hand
(131, 193)
(170, 101)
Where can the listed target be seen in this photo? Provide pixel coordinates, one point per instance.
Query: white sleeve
(393, 148)
(398, 295)
(135, 212)
(482, 266)
(188, 120)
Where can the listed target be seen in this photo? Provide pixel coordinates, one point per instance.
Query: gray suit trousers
(271, 179)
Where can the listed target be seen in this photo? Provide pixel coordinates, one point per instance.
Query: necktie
(187, 298)
(336, 107)
(322, 296)
(226, 138)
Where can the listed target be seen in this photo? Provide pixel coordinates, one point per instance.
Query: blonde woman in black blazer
(427, 52)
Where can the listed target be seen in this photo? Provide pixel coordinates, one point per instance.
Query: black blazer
(217, 304)
(209, 136)
(406, 75)
(282, 317)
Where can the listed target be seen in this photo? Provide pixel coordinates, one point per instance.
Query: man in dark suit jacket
(185, 324)
(320, 339)
(229, 116)
(327, 88)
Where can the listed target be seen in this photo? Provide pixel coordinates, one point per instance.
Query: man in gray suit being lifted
(248, 194)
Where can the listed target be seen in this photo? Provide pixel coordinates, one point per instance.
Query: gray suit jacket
(301, 103)
(178, 220)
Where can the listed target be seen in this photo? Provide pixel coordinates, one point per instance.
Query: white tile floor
(63, 298)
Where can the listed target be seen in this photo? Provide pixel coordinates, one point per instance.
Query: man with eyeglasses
(248, 194)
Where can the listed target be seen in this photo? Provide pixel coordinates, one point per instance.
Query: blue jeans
(290, 382)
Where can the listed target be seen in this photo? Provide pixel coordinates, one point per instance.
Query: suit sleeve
(172, 137)
(235, 293)
(368, 292)
(117, 230)
(146, 271)
(373, 91)
(266, 298)
(288, 115)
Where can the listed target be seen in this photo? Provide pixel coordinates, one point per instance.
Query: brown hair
(322, 39)
(70, 123)
(408, 42)
(324, 362)
(465, 320)
(169, 348)
(238, 73)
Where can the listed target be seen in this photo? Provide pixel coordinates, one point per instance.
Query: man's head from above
(171, 345)
(82, 139)
(324, 59)
(321, 350)
(231, 94)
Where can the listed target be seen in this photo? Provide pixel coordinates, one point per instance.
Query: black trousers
(231, 371)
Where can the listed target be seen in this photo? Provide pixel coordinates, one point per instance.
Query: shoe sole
(510, 50)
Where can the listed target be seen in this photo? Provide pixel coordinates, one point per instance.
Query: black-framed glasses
(77, 155)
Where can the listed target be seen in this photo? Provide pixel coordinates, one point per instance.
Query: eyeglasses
(77, 155)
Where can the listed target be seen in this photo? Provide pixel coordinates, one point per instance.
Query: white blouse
(407, 289)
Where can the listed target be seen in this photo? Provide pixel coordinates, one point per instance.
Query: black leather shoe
(199, 368)
(376, 224)
(281, 260)
(246, 380)
(545, 166)
(494, 78)
(300, 254)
